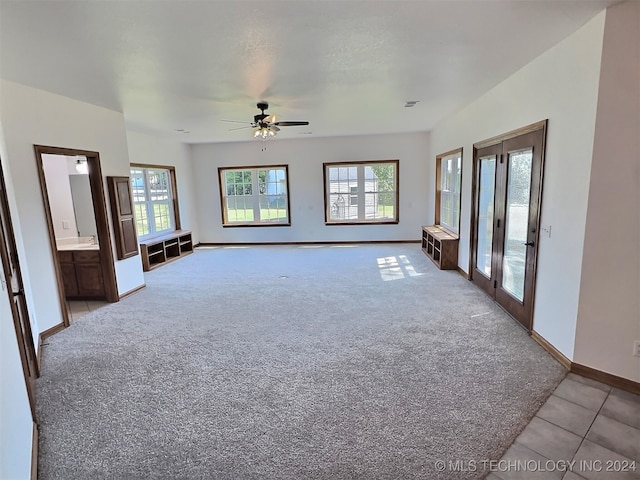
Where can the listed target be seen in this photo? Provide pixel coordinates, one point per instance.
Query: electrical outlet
(66, 225)
(636, 348)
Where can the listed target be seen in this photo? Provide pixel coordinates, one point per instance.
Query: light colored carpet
(285, 362)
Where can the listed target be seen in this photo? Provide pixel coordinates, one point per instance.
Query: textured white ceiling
(345, 66)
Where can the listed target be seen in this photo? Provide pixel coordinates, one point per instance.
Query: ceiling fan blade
(240, 128)
(274, 128)
(290, 124)
(270, 119)
(235, 121)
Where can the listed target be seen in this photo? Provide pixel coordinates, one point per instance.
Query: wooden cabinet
(440, 246)
(166, 248)
(82, 274)
(124, 224)
(69, 279)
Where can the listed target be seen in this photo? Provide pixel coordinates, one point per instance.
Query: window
(361, 192)
(448, 186)
(254, 196)
(154, 204)
(353, 198)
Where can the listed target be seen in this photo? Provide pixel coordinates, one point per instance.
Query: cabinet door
(90, 281)
(123, 221)
(69, 279)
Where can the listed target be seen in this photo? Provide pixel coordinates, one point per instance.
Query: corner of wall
(608, 319)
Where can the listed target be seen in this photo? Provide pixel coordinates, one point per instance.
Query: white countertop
(78, 246)
(77, 243)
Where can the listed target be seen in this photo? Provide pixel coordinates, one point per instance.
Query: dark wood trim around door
(523, 311)
(482, 281)
(96, 183)
(34, 452)
(497, 140)
(541, 125)
(12, 283)
(500, 148)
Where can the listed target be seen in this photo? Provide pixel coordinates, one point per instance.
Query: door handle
(18, 293)
(530, 244)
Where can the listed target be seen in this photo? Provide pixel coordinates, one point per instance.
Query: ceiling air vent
(411, 103)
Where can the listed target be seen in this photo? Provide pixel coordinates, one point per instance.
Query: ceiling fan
(266, 125)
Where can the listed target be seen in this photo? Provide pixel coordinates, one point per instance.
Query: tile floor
(585, 431)
(78, 308)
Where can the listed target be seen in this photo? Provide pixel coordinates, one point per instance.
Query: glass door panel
(516, 222)
(506, 219)
(485, 214)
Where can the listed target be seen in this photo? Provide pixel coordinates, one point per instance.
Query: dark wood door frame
(536, 139)
(96, 183)
(12, 276)
(481, 280)
(491, 146)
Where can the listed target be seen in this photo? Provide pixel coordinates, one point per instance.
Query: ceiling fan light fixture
(264, 133)
(81, 164)
(266, 125)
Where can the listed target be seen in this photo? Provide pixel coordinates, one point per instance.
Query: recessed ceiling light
(411, 103)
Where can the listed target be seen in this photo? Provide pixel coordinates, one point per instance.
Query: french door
(12, 281)
(507, 186)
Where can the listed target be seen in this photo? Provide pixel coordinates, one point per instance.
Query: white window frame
(345, 182)
(261, 196)
(148, 205)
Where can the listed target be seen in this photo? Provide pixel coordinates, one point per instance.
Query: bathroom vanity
(81, 271)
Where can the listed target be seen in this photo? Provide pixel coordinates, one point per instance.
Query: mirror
(70, 200)
(82, 205)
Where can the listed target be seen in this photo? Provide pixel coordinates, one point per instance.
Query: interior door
(508, 180)
(12, 283)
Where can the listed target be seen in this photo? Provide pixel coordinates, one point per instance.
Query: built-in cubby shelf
(166, 248)
(441, 246)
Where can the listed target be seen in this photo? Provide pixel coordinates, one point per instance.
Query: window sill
(391, 222)
(235, 225)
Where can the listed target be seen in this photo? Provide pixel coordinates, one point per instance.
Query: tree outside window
(361, 192)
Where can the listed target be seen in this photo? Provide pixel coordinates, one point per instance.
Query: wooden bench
(163, 249)
(441, 246)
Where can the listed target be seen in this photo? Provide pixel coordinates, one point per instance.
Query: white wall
(305, 158)
(609, 310)
(60, 199)
(16, 425)
(150, 150)
(34, 117)
(561, 85)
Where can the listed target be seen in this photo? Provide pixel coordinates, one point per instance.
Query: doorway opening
(80, 239)
(507, 195)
